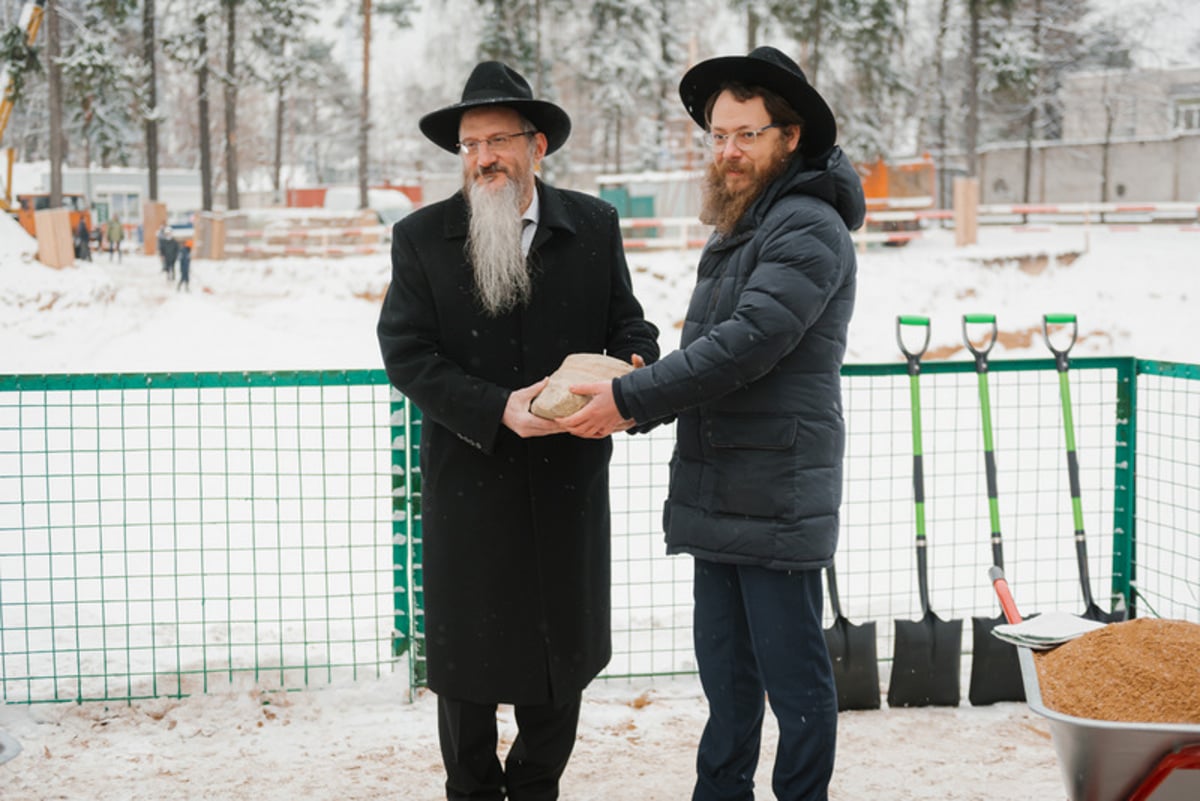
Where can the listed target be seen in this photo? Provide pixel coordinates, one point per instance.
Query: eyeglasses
(495, 143)
(743, 140)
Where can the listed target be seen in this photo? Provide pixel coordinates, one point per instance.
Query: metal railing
(174, 534)
(165, 534)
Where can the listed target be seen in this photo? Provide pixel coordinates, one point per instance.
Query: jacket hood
(831, 178)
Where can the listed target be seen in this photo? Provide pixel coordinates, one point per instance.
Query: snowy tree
(280, 63)
(54, 100)
(816, 25)
(324, 112)
(511, 34)
(872, 97)
(190, 48)
(632, 55)
(756, 11)
(230, 81)
(149, 93)
(19, 58)
(99, 81)
(1108, 51)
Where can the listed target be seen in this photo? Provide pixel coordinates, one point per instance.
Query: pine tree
(189, 47)
(871, 100)
(278, 63)
(99, 77)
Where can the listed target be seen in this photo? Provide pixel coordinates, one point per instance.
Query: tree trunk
(54, 100)
(818, 24)
(943, 111)
(148, 26)
(364, 114)
(617, 147)
(231, 93)
(276, 177)
(1032, 117)
(539, 85)
(1110, 115)
(752, 23)
(972, 126)
(206, 165)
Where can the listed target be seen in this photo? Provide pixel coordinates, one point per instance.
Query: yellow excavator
(29, 22)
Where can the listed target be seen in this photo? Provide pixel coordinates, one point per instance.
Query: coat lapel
(455, 225)
(553, 215)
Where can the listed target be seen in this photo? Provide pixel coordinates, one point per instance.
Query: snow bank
(15, 242)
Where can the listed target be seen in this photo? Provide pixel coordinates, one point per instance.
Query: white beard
(502, 279)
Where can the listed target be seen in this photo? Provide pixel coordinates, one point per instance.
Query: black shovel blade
(855, 663)
(995, 671)
(1094, 612)
(926, 667)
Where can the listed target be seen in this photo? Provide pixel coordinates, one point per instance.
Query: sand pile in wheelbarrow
(1138, 671)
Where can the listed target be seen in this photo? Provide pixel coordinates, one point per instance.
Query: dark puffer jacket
(756, 477)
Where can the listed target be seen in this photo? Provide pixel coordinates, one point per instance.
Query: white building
(118, 190)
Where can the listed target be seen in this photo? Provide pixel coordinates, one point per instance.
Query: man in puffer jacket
(756, 476)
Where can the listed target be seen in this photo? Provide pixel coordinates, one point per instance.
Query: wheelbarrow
(1104, 760)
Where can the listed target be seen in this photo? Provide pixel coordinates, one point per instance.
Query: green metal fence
(165, 534)
(174, 534)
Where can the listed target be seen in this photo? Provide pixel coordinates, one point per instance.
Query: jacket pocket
(752, 466)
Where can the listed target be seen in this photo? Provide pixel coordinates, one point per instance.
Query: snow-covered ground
(1132, 292)
(1131, 289)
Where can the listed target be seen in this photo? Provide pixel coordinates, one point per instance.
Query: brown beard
(722, 208)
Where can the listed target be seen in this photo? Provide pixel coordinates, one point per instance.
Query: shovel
(1061, 363)
(995, 671)
(925, 667)
(852, 650)
(1040, 633)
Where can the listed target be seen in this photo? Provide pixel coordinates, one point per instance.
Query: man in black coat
(756, 477)
(491, 289)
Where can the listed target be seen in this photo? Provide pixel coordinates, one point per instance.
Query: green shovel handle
(979, 353)
(1060, 355)
(913, 356)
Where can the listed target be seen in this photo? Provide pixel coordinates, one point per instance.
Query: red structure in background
(314, 197)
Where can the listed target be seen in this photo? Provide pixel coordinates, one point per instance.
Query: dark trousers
(536, 761)
(758, 634)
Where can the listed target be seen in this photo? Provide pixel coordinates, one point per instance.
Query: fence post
(401, 524)
(1125, 486)
(408, 634)
(966, 211)
(417, 669)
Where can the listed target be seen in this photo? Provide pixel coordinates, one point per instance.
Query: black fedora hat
(495, 84)
(770, 69)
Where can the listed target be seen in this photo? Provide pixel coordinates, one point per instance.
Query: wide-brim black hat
(495, 84)
(770, 69)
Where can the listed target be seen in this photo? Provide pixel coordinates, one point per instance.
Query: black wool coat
(756, 476)
(516, 531)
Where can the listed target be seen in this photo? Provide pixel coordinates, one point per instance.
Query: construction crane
(28, 23)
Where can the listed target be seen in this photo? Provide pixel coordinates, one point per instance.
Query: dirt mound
(1031, 263)
(1139, 671)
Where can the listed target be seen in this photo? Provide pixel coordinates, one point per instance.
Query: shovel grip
(1000, 584)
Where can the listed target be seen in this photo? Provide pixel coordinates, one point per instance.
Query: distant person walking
(169, 249)
(160, 238)
(83, 246)
(185, 263)
(114, 232)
